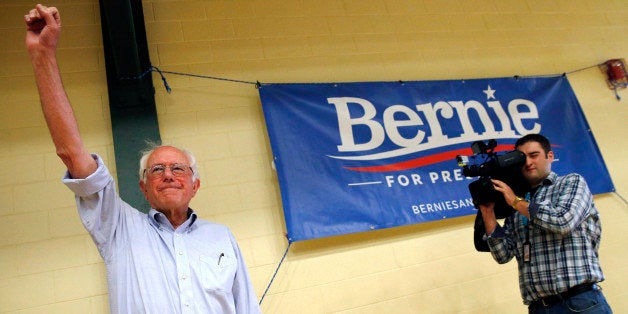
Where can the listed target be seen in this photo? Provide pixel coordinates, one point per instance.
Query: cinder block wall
(50, 265)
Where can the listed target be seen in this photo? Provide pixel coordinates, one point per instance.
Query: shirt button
(180, 253)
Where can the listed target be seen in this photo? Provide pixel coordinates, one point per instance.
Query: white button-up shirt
(153, 268)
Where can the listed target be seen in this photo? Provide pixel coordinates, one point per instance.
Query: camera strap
(526, 244)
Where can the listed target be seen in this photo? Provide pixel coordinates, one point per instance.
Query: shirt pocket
(218, 271)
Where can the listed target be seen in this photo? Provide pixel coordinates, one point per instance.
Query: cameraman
(554, 233)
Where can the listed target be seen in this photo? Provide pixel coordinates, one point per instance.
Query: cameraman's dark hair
(545, 143)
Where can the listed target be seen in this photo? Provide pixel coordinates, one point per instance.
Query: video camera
(505, 167)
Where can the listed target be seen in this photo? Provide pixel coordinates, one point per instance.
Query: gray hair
(151, 147)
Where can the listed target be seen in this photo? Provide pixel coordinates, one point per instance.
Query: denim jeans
(589, 302)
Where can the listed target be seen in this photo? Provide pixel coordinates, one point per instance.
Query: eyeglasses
(158, 170)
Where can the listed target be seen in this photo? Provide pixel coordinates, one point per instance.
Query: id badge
(526, 251)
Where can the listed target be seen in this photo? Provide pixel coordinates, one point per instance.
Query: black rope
(585, 68)
(165, 82)
(128, 78)
(621, 197)
(258, 84)
(210, 77)
(163, 78)
(275, 274)
(206, 76)
(517, 77)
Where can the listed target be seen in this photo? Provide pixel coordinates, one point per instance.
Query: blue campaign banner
(353, 157)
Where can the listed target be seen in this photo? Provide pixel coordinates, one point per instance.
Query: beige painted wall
(49, 264)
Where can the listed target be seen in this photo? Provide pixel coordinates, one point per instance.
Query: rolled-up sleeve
(98, 205)
(90, 185)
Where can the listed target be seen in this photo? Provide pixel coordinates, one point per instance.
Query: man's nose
(528, 161)
(168, 173)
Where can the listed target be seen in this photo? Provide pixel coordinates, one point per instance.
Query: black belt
(557, 298)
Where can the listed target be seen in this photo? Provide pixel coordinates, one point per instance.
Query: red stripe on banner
(424, 161)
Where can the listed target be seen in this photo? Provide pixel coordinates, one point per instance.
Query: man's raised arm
(43, 26)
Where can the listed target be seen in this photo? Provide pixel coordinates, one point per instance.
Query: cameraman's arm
(488, 216)
(500, 245)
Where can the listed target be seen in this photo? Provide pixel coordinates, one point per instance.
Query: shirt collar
(550, 179)
(159, 219)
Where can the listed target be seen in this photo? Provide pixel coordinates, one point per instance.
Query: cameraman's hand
(500, 186)
(509, 196)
